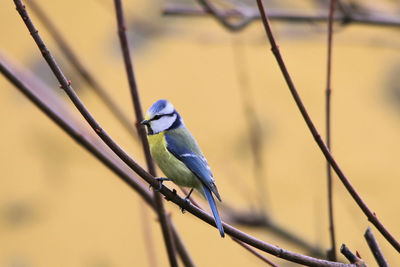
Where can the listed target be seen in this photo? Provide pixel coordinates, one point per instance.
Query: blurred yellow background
(60, 207)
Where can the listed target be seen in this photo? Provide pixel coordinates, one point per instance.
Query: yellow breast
(173, 168)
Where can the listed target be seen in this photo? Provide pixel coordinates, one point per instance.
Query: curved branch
(370, 215)
(170, 195)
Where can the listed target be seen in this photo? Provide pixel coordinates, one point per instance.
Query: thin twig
(287, 16)
(328, 91)
(256, 253)
(81, 69)
(354, 259)
(375, 249)
(168, 239)
(170, 195)
(370, 215)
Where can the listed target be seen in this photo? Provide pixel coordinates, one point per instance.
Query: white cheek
(163, 123)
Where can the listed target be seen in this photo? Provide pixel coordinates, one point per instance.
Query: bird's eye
(156, 117)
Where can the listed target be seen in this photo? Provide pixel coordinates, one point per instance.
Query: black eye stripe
(156, 117)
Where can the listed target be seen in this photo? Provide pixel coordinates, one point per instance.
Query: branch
(81, 69)
(376, 250)
(170, 195)
(355, 259)
(370, 215)
(288, 16)
(328, 91)
(164, 221)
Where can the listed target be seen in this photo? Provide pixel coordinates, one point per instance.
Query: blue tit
(178, 155)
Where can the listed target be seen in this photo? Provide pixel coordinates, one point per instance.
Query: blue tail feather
(214, 210)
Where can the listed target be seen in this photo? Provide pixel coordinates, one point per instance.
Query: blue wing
(179, 145)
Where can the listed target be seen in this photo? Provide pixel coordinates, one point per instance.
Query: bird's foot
(187, 200)
(187, 203)
(160, 180)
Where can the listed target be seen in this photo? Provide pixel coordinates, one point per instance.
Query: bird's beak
(145, 122)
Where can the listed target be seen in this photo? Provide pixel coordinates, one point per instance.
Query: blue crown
(158, 106)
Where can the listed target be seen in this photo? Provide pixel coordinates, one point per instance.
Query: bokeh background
(60, 207)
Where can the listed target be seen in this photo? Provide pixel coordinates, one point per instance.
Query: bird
(178, 155)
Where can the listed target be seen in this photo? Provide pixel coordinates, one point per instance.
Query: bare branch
(352, 257)
(376, 250)
(164, 221)
(288, 16)
(370, 215)
(170, 195)
(328, 90)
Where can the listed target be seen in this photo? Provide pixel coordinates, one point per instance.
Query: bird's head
(162, 116)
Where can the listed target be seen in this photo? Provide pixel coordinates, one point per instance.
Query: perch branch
(170, 195)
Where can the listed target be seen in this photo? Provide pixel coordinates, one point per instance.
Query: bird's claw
(187, 203)
(160, 184)
(187, 200)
